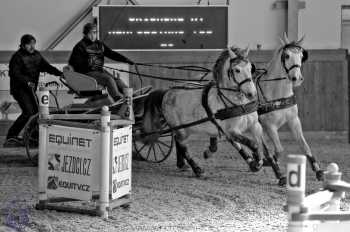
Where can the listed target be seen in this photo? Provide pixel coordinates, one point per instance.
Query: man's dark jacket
(26, 67)
(89, 56)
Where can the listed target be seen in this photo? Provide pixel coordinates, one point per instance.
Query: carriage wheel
(154, 151)
(31, 139)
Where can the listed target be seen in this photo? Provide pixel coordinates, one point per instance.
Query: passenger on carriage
(88, 58)
(24, 69)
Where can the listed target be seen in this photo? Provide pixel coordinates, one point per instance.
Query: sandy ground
(229, 198)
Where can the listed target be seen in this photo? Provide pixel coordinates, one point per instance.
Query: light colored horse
(276, 88)
(277, 104)
(233, 87)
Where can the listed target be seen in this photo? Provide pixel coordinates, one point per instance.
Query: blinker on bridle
(231, 74)
(283, 57)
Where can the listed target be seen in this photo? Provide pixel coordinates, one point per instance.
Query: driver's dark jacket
(89, 56)
(25, 67)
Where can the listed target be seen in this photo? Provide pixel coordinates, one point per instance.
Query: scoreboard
(163, 27)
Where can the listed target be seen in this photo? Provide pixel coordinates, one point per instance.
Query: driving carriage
(90, 98)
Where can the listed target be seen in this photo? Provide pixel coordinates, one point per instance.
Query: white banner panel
(71, 167)
(121, 161)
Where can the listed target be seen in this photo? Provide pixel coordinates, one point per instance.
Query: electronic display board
(163, 27)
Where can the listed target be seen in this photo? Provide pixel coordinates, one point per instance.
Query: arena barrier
(84, 159)
(320, 211)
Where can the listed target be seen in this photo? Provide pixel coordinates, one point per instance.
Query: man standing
(24, 69)
(88, 58)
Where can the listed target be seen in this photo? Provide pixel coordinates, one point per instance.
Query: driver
(88, 58)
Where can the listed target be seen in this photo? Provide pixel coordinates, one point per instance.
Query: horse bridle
(283, 57)
(231, 74)
(292, 45)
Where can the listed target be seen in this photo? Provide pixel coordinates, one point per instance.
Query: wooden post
(43, 114)
(296, 178)
(293, 16)
(105, 158)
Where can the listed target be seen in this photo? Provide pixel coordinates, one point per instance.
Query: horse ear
(285, 38)
(245, 52)
(300, 41)
(231, 53)
(281, 40)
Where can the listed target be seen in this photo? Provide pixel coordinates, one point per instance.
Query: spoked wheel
(31, 139)
(153, 150)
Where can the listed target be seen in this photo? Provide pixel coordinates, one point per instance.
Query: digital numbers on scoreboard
(150, 27)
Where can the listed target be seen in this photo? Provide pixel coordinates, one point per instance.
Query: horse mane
(219, 64)
(275, 59)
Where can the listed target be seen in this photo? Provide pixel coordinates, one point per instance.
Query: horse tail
(153, 112)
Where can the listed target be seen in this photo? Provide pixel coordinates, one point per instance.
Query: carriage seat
(80, 84)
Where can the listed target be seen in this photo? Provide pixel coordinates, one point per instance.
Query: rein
(192, 68)
(157, 77)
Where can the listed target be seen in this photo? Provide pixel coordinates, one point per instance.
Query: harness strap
(277, 104)
(226, 113)
(237, 111)
(210, 114)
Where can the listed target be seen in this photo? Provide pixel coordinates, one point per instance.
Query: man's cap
(27, 38)
(88, 27)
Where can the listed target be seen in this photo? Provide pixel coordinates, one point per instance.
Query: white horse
(277, 100)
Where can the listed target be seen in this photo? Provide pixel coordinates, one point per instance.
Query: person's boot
(13, 142)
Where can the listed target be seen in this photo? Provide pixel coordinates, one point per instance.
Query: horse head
(234, 71)
(293, 55)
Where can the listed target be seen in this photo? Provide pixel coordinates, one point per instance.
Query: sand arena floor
(228, 198)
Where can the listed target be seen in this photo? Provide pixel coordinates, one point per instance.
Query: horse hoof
(320, 175)
(126, 206)
(255, 166)
(183, 168)
(266, 163)
(282, 182)
(207, 154)
(198, 171)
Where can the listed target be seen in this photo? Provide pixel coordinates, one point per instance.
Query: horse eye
(237, 70)
(287, 56)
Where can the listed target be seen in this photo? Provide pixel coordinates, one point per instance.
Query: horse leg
(182, 154)
(235, 137)
(272, 132)
(180, 159)
(295, 127)
(253, 164)
(213, 147)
